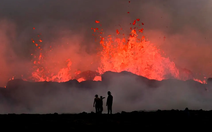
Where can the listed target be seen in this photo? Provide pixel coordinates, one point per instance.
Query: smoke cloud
(130, 93)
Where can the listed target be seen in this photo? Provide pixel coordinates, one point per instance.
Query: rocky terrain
(124, 121)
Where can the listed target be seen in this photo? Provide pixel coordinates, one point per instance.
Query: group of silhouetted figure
(98, 103)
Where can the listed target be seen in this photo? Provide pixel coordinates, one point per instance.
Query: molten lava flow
(56, 68)
(138, 56)
(132, 53)
(135, 55)
(81, 80)
(42, 73)
(200, 81)
(97, 78)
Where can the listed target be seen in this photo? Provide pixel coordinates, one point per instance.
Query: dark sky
(76, 15)
(186, 24)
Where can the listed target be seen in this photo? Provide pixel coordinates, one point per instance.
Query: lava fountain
(118, 53)
(137, 55)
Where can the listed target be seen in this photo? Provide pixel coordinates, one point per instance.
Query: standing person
(109, 102)
(101, 104)
(97, 103)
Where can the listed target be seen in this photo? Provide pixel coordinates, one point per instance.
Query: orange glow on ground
(81, 80)
(97, 78)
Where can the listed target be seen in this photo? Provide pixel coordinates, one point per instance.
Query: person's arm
(106, 101)
(94, 102)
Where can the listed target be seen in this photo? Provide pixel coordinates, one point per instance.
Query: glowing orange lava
(135, 55)
(131, 53)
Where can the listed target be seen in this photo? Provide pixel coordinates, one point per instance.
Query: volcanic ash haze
(130, 92)
(53, 41)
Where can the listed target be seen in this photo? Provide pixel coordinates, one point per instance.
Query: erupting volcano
(136, 55)
(133, 53)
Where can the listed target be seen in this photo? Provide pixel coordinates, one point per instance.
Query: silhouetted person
(101, 103)
(187, 113)
(109, 102)
(97, 103)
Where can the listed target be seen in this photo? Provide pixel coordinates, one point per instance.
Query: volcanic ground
(124, 121)
(137, 105)
(131, 92)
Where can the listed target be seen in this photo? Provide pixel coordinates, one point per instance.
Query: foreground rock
(124, 121)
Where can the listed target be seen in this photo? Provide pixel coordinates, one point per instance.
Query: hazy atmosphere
(180, 29)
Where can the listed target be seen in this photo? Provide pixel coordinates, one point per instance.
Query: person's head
(96, 96)
(109, 93)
